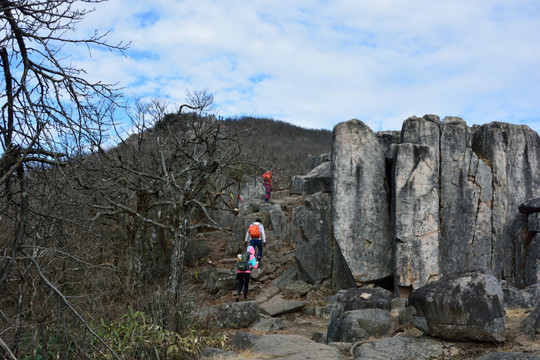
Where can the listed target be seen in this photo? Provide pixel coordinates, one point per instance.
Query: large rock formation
(318, 257)
(444, 196)
(360, 217)
(466, 197)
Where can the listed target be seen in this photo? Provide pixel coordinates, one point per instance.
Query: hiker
(267, 183)
(256, 237)
(243, 275)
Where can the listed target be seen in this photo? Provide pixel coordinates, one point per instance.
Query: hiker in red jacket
(256, 237)
(267, 183)
(243, 276)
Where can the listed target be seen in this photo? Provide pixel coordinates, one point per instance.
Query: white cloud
(317, 63)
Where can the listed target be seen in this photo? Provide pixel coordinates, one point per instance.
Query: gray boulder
(297, 185)
(277, 306)
(362, 324)
(364, 298)
(294, 347)
(217, 279)
(461, 306)
(267, 324)
(318, 179)
(355, 299)
(520, 298)
(531, 324)
(243, 340)
(509, 356)
(231, 316)
(360, 212)
(404, 348)
(295, 289)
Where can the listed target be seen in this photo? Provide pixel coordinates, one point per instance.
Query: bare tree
(49, 113)
(160, 185)
(200, 101)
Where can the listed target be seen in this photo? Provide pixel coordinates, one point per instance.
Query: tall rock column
(360, 216)
(514, 154)
(465, 201)
(416, 216)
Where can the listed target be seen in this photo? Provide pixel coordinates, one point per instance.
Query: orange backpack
(254, 231)
(267, 176)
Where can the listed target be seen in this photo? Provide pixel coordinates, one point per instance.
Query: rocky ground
(314, 317)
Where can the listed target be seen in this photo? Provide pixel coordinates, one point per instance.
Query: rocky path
(291, 319)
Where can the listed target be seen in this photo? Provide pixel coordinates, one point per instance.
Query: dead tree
(48, 114)
(157, 187)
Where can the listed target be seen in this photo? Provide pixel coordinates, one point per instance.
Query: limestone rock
(355, 299)
(404, 348)
(267, 324)
(277, 222)
(509, 356)
(230, 315)
(520, 298)
(360, 212)
(317, 255)
(513, 152)
(465, 208)
(531, 324)
(297, 185)
(294, 347)
(387, 139)
(530, 206)
(422, 131)
(416, 215)
(277, 306)
(461, 306)
(318, 179)
(362, 324)
(243, 340)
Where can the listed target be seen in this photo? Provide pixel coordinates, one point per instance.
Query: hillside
(99, 238)
(280, 146)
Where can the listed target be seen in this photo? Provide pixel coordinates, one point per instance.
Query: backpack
(243, 264)
(267, 176)
(254, 231)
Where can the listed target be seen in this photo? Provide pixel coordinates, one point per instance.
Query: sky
(316, 63)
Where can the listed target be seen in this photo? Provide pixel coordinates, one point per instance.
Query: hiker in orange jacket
(267, 183)
(256, 237)
(243, 276)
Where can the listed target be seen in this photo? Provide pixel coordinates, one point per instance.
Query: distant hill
(280, 146)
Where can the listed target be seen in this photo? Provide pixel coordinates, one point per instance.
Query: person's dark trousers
(268, 189)
(257, 244)
(243, 283)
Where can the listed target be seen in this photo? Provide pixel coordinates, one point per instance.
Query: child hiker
(243, 271)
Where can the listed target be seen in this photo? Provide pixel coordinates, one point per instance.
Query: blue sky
(315, 63)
